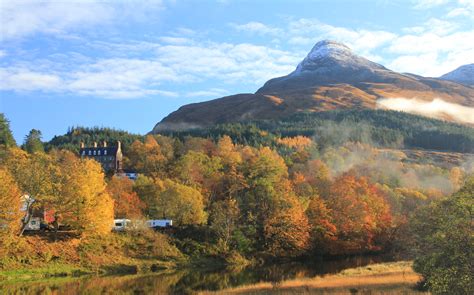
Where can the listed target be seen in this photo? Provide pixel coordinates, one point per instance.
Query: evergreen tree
(33, 142)
(6, 136)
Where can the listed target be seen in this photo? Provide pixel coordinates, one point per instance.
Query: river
(188, 281)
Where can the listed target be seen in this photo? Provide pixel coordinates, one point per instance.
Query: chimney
(82, 145)
(104, 143)
(95, 144)
(119, 145)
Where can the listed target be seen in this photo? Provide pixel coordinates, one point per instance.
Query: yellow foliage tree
(181, 203)
(9, 205)
(96, 207)
(79, 198)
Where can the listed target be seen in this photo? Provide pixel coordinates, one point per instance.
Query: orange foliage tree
(127, 204)
(359, 212)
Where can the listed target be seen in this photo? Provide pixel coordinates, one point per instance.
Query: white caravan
(160, 223)
(121, 224)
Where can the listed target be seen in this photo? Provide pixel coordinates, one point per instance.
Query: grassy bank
(38, 257)
(389, 278)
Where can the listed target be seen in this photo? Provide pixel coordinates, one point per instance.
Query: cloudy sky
(127, 64)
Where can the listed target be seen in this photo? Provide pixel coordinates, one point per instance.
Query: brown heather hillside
(330, 77)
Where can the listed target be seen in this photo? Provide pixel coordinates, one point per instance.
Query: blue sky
(127, 64)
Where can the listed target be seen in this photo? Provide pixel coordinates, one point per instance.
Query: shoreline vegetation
(391, 278)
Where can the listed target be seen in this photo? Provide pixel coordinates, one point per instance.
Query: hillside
(389, 129)
(331, 77)
(464, 75)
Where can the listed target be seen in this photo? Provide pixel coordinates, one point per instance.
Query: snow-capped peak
(328, 48)
(327, 54)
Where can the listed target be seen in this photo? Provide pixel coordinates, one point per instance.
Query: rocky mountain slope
(330, 77)
(464, 75)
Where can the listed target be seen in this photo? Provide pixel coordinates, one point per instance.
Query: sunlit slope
(330, 77)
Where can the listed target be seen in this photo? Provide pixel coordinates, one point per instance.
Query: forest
(259, 191)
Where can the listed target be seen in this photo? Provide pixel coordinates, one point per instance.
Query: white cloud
(175, 40)
(430, 54)
(440, 27)
(423, 4)
(460, 11)
(128, 77)
(213, 92)
(21, 79)
(309, 31)
(256, 27)
(22, 18)
(3, 53)
(227, 62)
(436, 108)
(108, 78)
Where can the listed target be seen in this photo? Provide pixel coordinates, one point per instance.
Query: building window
(98, 152)
(90, 153)
(105, 152)
(83, 153)
(94, 153)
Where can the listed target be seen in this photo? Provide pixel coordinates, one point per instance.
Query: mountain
(330, 77)
(464, 75)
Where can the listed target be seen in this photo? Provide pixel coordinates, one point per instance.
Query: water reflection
(188, 281)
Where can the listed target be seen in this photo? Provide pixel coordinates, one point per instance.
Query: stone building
(109, 157)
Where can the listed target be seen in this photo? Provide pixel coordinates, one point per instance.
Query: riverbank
(389, 278)
(38, 257)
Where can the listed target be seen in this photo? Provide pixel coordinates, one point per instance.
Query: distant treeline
(75, 135)
(332, 128)
(377, 127)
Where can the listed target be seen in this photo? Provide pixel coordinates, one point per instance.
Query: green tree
(444, 243)
(6, 136)
(223, 221)
(33, 143)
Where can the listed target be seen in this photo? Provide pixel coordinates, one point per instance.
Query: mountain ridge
(463, 74)
(330, 77)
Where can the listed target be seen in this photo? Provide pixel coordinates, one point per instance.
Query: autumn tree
(146, 157)
(169, 199)
(227, 151)
(32, 173)
(297, 149)
(33, 143)
(199, 170)
(359, 212)
(10, 214)
(95, 212)
(287, 231)
(198, 144)
(127, 204)
(78, 196)
(276, 219)
(322, 229)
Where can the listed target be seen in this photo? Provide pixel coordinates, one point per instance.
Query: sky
(128, 64)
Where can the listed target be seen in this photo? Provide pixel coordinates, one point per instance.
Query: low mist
(437, 108)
